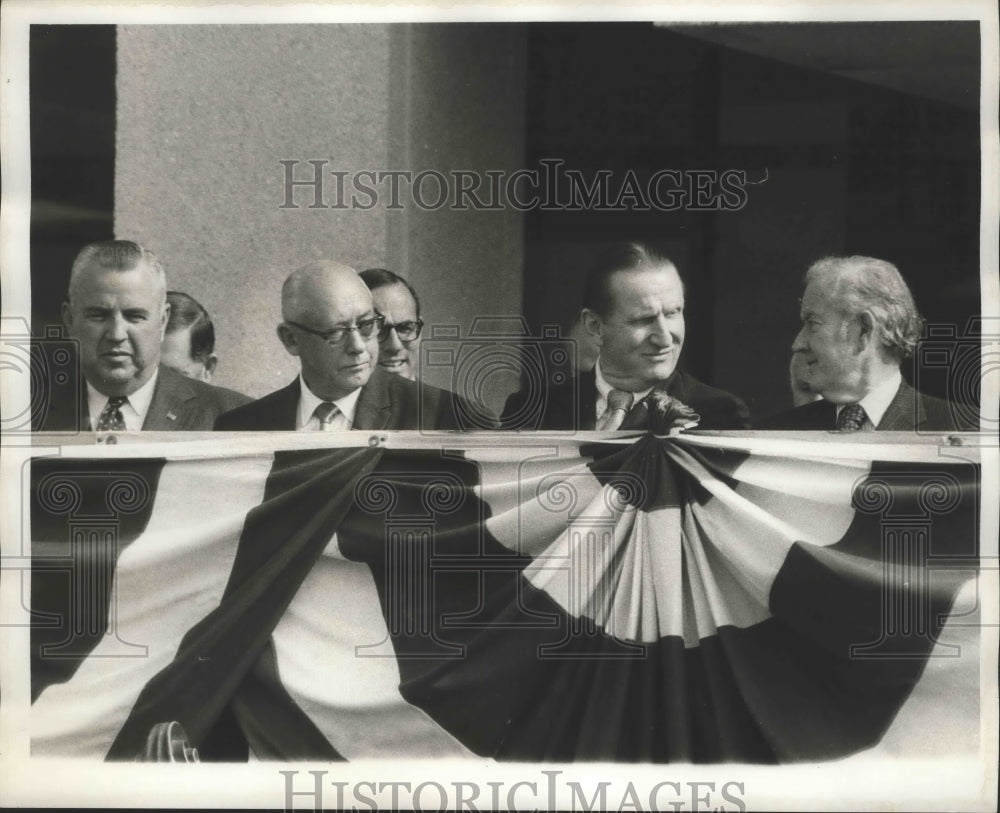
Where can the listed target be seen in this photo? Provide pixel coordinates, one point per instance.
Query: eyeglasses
(366, 328)
(407, 331)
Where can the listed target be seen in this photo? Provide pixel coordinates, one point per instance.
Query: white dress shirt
(133, 410)
(308, 401)
(876, 402)
(603, 388)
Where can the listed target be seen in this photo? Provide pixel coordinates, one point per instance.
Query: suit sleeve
(739, 415)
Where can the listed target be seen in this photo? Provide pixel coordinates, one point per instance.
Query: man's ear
(67, 317)
(164, 317)
(867, 331)
(210, 364)
(288, 339)
(592, 323)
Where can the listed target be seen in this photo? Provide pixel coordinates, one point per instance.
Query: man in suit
(117, 312)
(330, 324)
(859, 322)
(399, 342)
(634, 312)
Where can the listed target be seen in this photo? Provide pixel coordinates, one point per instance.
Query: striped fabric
(657, 600)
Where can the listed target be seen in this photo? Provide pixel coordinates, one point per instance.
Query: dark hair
(376, 278)
(187, 312)
(597, 291)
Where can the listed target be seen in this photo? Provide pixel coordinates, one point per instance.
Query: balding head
(316, 289)
(316, 299)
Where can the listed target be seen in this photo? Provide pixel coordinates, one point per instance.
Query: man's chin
(356, 378)
(661, 371)
(117, 380)
(397, 368)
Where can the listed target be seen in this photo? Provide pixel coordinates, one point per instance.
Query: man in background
(331, 326)
(859, 323)
(117, 311)
(189, 344)
(634, 313)
(397, 302)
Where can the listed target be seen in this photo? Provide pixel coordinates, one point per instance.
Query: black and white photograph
(500, 408)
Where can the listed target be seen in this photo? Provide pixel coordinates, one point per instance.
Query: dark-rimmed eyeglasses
(366, 328)
(407, 331)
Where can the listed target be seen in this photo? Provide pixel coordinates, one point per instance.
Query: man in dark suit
(634, 312)
(399, 341)
(330, 324)
(117, 312)
(859, 322)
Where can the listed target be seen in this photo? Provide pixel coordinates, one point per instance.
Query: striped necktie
(619, 403)
(325, 413)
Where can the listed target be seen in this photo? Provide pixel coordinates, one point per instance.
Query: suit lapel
(904, 413)
(278, 411)
(374, 407)
(287, 402)
(820, 415)
(166, 409)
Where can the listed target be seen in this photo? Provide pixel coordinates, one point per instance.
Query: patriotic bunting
(659, 600)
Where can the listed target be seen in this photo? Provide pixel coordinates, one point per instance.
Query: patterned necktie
(619, 403)
(851, 418)
(110, 419)
(325, 413)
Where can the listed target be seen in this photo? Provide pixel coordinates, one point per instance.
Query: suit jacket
(387, 401)
(909, 411)
(179, 403)
(573, 405)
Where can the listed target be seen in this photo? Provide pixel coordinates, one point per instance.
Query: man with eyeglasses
(331, 325)
(395, 299)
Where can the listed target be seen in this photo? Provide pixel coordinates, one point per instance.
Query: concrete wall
(206, 113)
(461, 92)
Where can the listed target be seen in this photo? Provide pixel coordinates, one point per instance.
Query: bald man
(330, 324)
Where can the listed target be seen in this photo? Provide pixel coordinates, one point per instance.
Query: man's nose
(117, 329)
(661, 334)
(355, 342)
(800, 345)
(392, 343)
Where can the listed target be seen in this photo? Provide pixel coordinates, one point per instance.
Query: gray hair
(863, 284)
(115, 255)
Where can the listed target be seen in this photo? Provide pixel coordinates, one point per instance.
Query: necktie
(110, 419)
(619, 403)
(851, 418)
(325, 413)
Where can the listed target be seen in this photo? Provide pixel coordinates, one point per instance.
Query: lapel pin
(171, 416)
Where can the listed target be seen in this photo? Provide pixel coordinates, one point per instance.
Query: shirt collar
(876, 402)
(603, 388)
(308, 401)
(133, 410)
